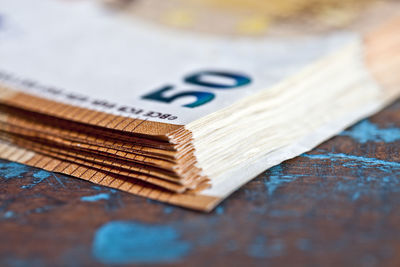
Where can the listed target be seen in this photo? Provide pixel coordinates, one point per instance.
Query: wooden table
(336, 205)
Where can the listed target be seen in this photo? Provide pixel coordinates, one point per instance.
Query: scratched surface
(336, 205)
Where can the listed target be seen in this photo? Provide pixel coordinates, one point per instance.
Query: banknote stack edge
(198, 162)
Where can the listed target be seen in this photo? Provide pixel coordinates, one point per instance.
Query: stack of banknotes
(185, 101)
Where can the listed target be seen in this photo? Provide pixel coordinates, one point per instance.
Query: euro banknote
(185, 101)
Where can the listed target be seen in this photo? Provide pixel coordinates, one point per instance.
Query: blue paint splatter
(389, 175)
(58, 180)
(368, 186)
(41, 209)
(94, 198)
(356, 196)
(38, 177)
(367, 183)
(358, 161)
(8, 214)
(261, 249)
(219, 210)
(276, 179)
(9, 170)
(120, 242)
(98, 188)
(99, 196)
(41, 174)
(366, 131)
(168, 210)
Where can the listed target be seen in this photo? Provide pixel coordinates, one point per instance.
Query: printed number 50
(235, 81)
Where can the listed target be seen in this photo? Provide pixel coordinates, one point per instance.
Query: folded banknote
(179, 104)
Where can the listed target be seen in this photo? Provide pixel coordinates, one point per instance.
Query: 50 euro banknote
(183, 117)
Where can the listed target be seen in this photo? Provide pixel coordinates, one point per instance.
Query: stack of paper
(181, 116)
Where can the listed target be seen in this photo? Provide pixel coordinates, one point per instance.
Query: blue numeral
(198, 79)
(201, 97)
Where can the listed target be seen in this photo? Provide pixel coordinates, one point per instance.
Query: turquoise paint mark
(99, 196)
(96, 187)
(94, 198)
(388, 179)
(262, 249)
(276, 179)
(121, 242)
(366, 131)
(9, 214)
(42, 174)
(168, 210)
(368, 186)
(358, 161)
(58, 180)
(38, 177)
(9, 170)
(41, 209)
(219, 210)
(356, 196)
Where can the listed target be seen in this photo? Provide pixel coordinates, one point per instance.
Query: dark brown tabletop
(336, 205)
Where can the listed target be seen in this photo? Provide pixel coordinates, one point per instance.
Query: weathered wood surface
(337, 205)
